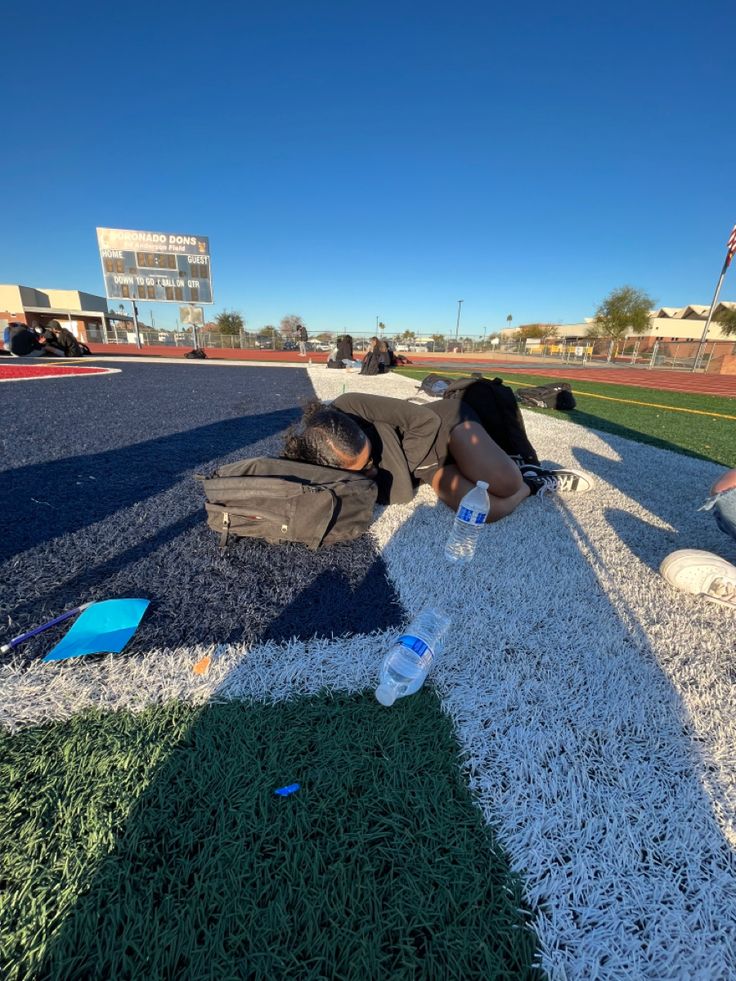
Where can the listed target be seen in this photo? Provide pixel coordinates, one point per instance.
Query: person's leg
(723, 500)
(477, 457)
(724, 511)
(451, 486)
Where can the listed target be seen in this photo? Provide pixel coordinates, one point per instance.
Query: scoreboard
(159, 267)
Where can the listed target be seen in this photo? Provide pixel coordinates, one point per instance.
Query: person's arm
(417, 425)
(724, 483)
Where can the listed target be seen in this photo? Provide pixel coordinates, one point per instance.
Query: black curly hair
(325, 436)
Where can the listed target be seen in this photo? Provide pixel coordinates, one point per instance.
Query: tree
(727, 320)
(407, 335)
(625, 310)
(439, 342)
(289, 325)
(381, 326)
(325, 337)
(594, 331)
(229, 322)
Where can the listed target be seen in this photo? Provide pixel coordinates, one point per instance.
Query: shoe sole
(686, 557)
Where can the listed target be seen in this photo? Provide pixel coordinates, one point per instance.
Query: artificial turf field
(577, 730)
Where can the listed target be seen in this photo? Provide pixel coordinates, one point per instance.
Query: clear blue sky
(350, 160)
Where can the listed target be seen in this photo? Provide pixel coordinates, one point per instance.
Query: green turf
(153, 846)
(704, 436)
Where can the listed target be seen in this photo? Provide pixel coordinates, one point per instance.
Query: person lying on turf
(401, 444)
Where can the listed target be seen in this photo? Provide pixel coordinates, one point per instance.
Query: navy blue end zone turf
(100, 483)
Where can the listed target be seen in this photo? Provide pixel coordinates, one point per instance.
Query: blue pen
(21, 638)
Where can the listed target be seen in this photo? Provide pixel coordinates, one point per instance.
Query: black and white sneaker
(542, 481)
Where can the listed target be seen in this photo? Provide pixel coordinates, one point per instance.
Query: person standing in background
(302, 337)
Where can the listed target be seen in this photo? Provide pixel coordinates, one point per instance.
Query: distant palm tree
(727, 320)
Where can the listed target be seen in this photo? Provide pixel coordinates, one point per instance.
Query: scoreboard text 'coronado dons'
(155, 266)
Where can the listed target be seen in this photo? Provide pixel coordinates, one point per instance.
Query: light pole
(457, 325)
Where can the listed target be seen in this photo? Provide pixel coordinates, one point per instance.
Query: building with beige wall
(75, 309)
(665, 324)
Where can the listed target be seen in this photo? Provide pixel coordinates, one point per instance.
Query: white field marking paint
(269, 672)
(592, 702)
(56, 375)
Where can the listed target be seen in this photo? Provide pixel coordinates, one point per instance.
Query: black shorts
(451, 412)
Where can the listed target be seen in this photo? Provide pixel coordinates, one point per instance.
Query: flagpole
(701, 346)
(730, 252)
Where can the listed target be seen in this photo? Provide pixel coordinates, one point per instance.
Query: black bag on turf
(435, 385)
(498, 410)
(198, 354)
(288, 501)
(557, 396)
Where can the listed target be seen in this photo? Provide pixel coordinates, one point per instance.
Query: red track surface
(666, 381)
(15, 372)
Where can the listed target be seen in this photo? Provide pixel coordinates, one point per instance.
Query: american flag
(731, 247)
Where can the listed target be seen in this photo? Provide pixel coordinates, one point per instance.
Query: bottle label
(415, 644)
(471, 517)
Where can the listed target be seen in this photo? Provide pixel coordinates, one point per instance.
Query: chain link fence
(678, 355)
(642, 353)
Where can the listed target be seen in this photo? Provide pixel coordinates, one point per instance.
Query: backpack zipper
(225, 529)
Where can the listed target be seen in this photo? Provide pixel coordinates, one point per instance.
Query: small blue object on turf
(104, 627)
(285, 791)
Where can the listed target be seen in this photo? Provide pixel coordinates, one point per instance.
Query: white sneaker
(544, 481)
(702, 573)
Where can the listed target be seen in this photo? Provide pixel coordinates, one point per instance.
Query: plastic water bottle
(469, 521)
(407, 663)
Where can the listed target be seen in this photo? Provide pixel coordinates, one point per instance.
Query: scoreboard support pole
(138, 343)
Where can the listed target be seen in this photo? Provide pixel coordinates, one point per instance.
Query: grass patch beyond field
(152, 845)
(707, 437)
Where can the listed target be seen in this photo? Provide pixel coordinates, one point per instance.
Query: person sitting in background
(23, 341)
(372, 364)
(64, 340)
(342, 355)
(49, 340)
(6, 336)
(702, 573)
(385, 355)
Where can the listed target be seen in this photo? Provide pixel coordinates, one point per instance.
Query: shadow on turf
(121, 477)
(379, 866)
(647, 541)
(253, 592)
